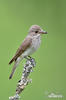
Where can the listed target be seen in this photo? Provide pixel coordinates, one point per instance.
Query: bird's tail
(12, 60)
(13, 70)
(14, 67)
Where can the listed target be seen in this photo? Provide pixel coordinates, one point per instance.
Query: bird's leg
(26, 58)
(32, 60)
(30, 57)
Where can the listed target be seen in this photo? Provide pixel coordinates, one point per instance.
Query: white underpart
(36, 40)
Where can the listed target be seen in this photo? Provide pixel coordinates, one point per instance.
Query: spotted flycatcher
(30, 44)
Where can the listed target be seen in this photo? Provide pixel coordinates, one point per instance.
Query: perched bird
(30, 44)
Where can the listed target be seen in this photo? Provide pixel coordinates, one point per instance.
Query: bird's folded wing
(26, 43)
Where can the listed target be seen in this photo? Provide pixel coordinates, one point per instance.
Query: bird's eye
(36, 31)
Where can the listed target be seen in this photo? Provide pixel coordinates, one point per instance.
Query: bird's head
(35, 29)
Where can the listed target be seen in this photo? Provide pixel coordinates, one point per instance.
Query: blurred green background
(16, 16)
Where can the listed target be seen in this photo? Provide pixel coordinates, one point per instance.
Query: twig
(28, 68)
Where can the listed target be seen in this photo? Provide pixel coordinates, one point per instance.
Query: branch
(28, 68)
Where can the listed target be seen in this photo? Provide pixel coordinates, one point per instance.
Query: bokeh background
(49, 76)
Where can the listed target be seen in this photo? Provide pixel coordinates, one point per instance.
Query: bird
(30, 44)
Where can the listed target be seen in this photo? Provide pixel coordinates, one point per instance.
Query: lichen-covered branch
(28, 68)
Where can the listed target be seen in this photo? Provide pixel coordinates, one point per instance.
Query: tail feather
(11, 60)
(14, 67)
(13, 70)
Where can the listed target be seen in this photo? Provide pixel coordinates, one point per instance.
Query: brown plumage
(21, 49)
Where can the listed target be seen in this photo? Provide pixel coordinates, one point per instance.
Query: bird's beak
(43, 32)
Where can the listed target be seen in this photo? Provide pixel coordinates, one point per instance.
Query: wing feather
(26, 43)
